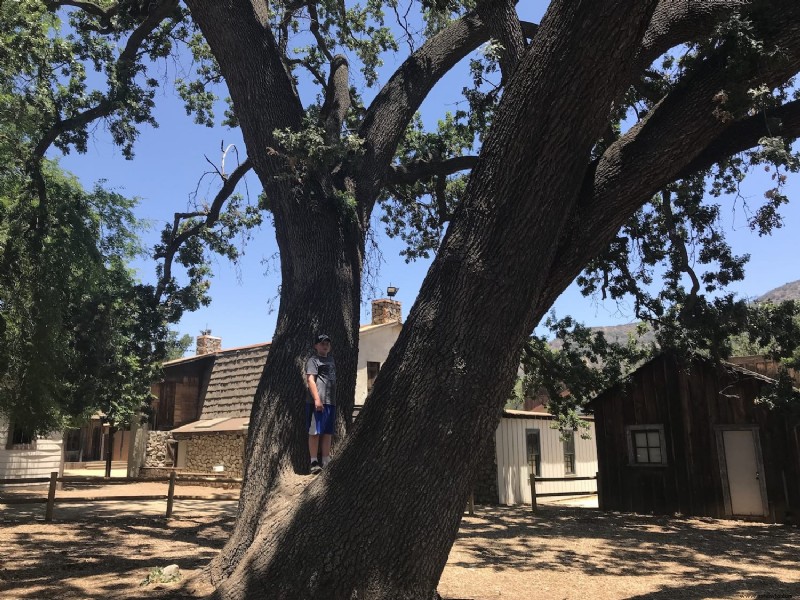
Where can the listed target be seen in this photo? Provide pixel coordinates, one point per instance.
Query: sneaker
(315, 468)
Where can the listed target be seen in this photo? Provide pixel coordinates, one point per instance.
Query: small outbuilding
(689, 437)
(526, 443)
(24, 455)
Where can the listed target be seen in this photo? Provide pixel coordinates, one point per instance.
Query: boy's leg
(313, 447)
(327, 431)
(326, 448)
(313, 426)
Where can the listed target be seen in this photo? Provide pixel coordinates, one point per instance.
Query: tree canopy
(583, 146)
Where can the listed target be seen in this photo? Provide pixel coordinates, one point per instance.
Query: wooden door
(743, 472)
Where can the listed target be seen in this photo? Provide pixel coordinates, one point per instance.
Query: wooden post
(51, 497)
(471, 503)
(533, 492)
(599, 491)
(170, 493)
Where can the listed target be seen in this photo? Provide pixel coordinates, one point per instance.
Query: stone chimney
(386, 310)
(207, 343)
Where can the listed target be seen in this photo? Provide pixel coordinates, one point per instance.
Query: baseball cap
(322, 337)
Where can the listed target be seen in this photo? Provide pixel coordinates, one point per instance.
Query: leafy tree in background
(588, 138)
(177, 347)
(75, 334)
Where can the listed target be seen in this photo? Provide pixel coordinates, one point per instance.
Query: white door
(742, 460)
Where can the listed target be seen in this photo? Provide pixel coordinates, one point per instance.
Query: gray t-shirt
(324, 368)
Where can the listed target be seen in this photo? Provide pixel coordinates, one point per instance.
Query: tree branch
(265, 99)
(679, 246)
(678, 21)
(504, 25)
(337, 99)
(394, 106)
(105, 14)
(323, 46)
(123, 68)
(104, 108)
(211, 217)
(681, 133)
(423, 170)
(783, 121)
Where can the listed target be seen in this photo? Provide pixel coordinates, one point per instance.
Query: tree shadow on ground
(102, 558)
(700, 555)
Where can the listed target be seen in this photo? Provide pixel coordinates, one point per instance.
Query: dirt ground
(106, 550)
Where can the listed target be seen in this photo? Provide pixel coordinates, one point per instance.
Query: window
(534, 451)
(569, 453)
(372, 373)
(20, 438)
(646, 445)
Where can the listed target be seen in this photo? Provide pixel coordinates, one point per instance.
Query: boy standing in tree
(320, 401)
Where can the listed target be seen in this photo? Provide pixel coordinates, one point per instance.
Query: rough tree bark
(459, 343)
(536, 210)
(321, 245)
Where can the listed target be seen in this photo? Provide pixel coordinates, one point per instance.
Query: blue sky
(171, 159)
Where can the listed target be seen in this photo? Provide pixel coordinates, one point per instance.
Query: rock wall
(485, 487)
(208, 450)
(157, 454)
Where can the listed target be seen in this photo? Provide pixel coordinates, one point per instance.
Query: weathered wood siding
(691, 405)
(23, 464)
(179, 397)
(513, 471)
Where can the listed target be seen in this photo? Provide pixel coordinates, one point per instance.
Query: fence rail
(170, 496)
(535, 479)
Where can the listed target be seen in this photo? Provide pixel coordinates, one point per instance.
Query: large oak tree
(552, 182)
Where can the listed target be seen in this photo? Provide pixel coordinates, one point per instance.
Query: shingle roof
(222, 424)
(233, 382)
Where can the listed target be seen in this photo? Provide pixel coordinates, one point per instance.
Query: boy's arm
(311, 380)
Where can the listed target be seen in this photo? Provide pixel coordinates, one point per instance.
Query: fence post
(51, 497)
(471, 503)
(599, 491)
(170, 493)
(533, 492)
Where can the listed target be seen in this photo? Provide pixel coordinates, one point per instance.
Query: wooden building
(525, 443)
(25, 456)
(203, 403)
(690, 438)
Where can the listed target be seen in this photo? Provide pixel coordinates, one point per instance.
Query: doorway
(742, 467)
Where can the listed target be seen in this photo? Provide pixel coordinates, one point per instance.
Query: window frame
(566, 443)
(536, 465)
(630, 433)
(11, 445)
(371, 377)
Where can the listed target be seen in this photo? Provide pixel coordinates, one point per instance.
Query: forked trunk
(380, 521)
(321, 257)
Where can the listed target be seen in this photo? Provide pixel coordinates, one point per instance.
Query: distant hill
(788, 291)
(616, 333)
(620, 333)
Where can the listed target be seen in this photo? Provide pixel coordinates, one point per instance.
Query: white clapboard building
(526, 442)
(25, 456)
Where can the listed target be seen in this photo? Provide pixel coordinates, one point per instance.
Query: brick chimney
(386, 310)
(207, 343)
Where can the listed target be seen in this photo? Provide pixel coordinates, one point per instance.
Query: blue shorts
(320, 422)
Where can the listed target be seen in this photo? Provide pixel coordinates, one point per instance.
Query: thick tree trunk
(380, 521)
(321, 256)
(321, 250)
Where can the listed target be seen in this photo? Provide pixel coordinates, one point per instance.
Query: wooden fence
(174, 480)
(170, 496)
(534, 495)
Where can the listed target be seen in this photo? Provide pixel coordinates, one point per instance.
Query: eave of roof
(529, 414)
(225, 424)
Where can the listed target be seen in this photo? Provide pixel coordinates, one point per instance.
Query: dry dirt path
(501, 553)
